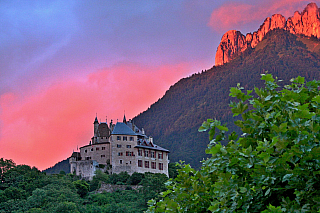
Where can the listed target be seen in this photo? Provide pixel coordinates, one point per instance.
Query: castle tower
(95, 126)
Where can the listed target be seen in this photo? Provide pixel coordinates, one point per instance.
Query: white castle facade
(120, 147)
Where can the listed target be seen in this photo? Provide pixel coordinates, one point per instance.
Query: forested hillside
(174, 119)
(58, 167)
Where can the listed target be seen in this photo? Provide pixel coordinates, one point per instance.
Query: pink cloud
(234, 15)
(44, 127)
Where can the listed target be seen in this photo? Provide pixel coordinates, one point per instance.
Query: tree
(97, 179)
(135, 178)
(82, 187)
(173, 169)
(272, 167)
(5, 165)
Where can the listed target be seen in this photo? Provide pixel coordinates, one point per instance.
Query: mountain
(305, 23)
(58, 167)
(174, 119)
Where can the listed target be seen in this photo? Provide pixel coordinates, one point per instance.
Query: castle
(120, 147)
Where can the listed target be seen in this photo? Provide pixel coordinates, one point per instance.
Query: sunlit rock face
(232, 42)
(307, 23)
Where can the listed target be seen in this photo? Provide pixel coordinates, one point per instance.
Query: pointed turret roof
(96, 120)
(124, 119)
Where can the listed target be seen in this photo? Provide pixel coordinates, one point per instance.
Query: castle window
(120, 153)
(118, 138)
(146, 153)
(128, 146)
(160, 155)
(91, 149)
(152, 154)
(131, 138)
(120, 161)
(140, 152)
(160, 166)
(103, 156)
(146, 164)
(129, 154)
(85, 151)
(97, 148)
(118, 145)
(153, 165)
(124, 138)
(103, 148)
(139, 163)
(130, 162)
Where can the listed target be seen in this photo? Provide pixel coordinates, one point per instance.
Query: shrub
(272, 167)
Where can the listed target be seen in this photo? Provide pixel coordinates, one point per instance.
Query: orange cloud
(43, 128)
(234, 15)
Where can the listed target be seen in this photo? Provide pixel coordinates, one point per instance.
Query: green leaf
(299, 80)
(243, 189)
(265, 156)
(316, 99)
(267, 192)
(223, 128)
(267, 77)
(214, 149)
(286, 177)
(212, 132)
(234, 91)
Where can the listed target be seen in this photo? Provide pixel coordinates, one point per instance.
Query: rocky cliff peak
(232, 42)
(306, 23)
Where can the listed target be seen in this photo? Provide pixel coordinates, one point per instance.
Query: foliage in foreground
(272, 167)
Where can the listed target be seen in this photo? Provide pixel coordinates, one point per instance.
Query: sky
(64, 61)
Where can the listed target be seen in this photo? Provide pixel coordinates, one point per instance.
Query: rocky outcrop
(232, 42)
(306, 23)
(112, 188)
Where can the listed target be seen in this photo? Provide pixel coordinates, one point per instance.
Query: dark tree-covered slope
(58, 167)
(174, 119)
